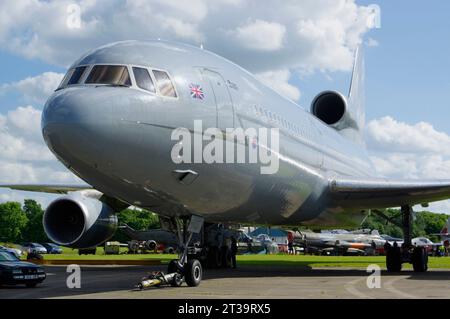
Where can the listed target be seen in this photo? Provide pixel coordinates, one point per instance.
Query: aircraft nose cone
(74, 125)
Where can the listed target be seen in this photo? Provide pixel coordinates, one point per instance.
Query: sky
(300, 48)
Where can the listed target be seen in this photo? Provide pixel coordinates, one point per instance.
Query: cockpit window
(66, 78)
(76, 75)
(109, 74)
(143, 79)
(164, 83)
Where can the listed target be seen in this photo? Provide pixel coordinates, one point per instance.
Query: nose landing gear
(189, 269)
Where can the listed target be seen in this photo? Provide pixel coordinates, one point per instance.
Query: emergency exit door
(225, 110)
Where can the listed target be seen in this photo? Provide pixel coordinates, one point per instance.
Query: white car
(16, 252)
(421, 241)
(34, 248)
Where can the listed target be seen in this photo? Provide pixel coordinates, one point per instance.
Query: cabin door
(225, 110)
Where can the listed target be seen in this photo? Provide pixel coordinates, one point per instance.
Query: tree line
(424, 224)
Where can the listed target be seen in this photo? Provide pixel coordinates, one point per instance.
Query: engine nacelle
(330, 107)
(78, 221)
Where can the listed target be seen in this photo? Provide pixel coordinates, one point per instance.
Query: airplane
(153, 238)
(112, 121)
(341, 240)
(444, 234)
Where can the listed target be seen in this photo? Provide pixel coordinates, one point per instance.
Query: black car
(14, 272)
(52, 248)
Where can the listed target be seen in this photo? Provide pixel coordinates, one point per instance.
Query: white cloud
(19, 196)
(279, 81)
(261, 35)
(24, 157)
(296, 35)
(35, 89)
(24, 120)
(418, 151)
(390, 135)
(21, 141)
(372, 42)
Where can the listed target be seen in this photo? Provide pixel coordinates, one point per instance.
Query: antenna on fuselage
(201, 46)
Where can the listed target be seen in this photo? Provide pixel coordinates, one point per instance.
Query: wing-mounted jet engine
(79, 220)
(345, 114)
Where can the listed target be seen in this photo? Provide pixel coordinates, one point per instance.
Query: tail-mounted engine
(333, 109)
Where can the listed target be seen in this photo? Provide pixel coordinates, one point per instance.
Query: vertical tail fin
(356, 96)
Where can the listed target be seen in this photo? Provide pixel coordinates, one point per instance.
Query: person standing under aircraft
(234, 248)
(290, 247)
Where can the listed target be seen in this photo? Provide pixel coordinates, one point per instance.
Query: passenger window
(109, 74)
(164, 83)
(143, 79)
(76, 75)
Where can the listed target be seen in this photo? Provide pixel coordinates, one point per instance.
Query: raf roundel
(196, 91)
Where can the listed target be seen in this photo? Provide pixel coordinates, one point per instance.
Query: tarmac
(246, 282)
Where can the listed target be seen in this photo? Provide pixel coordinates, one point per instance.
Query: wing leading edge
(51, 189)
(384, 193)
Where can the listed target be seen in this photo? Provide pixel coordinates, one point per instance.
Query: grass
(72, 254)
(332, 261)
(275, 260)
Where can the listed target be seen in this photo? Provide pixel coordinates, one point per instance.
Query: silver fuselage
(118, 140)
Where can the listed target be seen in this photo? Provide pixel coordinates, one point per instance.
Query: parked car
(16, 252)
(52, 248)
(14, 272)
(34, 248)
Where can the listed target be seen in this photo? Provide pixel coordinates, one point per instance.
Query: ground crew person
(290, 248)
(234, 249)
(441, 251)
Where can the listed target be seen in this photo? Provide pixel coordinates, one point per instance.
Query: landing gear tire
(173, 267)
(193, 272)
(419, 259)
(393, 260)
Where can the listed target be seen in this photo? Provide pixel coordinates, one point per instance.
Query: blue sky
(407, 71)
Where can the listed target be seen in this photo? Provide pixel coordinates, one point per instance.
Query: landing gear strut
(189, 269)
(407, 253)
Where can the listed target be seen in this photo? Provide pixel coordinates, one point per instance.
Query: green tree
(137, 219)
(13, 220)
(424, 224)
(431, 223)
(34, 231)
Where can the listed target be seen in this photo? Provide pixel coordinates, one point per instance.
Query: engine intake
(79, 222)
(329, 106)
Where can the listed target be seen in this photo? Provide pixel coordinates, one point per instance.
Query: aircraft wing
(361, 192)
(51, 189)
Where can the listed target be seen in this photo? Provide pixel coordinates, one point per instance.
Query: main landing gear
(407, 253)
(188, 269)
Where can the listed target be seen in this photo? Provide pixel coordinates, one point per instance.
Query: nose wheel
(189, 270)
